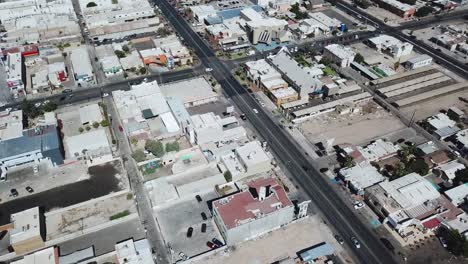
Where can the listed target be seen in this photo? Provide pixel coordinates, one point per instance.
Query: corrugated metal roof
(317, 251)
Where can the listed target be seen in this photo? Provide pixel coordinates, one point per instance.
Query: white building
(82, 68)
(247, 160)
(458, 195)
(11, 124)
(208, 127)
(342, 56)
(361, 177)
(448, 170)
(440, 121)
(264, 29)
(262, 207)
(28, 232)
(14, 74)
(419, 61)
(264, 76)
(392, 46)
(92, 145)
(134, 252)
(325, 20)
(191, 92)
(310, 26)
(200, 12)
(379, 150)
(90, 114)
(45, 256)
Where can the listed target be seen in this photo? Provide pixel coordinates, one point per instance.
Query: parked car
(14, 192)
(209, 69)
(355, 242)
(29, 189)
(203, 216)
(217, 242)
(35, 169)
(255, 111)
(358, 205)
(211, 245)
(339, 239)
(67, 91)
(199, 199)
(203, 228)
(189, 232)
(243, 117)
(120, 128)
(443, 242)
(183, 256)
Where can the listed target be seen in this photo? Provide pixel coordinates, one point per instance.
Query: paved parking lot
(104, 179)
(175, 219)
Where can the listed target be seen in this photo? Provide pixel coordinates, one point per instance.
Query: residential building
(134, 252)
(82, 68)
(342, 56)
(436, 158)
(247, 160)
(264, 76)
(261, 207)
(176, 53)
(90, 114)
(439, 121)
(315, 252)
(35, 144)
(397, 7)
(283, 96)
(461, 140)
(45, 256)
(426, 148)
(418, 61)
(296, 75)
(28, 231)
(460, 223)
(448, 170)
(11, 124)
(200, 12)
(310, 27)
(379, 150)
(390, 45)
(264, 29)
(361, 177)
(111, 65)
(455, 113)
(132, 61)
(208, 127)
(14, 73)
(458, 195)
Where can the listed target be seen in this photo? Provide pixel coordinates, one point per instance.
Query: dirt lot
(277, 245)
(432, 253)
(355, 129)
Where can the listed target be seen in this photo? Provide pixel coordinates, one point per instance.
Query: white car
(35, 169)
(183, 256)
(209, 69)
(255, 111)
(38, 104)
(358, 205)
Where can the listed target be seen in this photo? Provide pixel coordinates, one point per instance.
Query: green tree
(359, 58)
(419, 166)
(348, 162)
(399, 171)
(364, 4)
(49, 107)
(134, 141)
(95, 124)
(155, 147)
(174, 146)
(461, 176)
(105, 123)
(424, 11)
(297, 11)
(163, 32)
(142, 70)
(227, 176)
(120, 54)
(125, 48)
(88, 128)
(138, 155)
(91, 4)
(456, 243)
(81, 129)
(29, 109)
(396, 65)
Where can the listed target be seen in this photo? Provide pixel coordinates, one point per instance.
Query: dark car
(211, 245)
(14, 192)
(243, 117)
(199, 199)
(189, 232)
(203, 228)
(339, 239)
(29, 189)
(203, 216)
(217, 242)
(67, 91)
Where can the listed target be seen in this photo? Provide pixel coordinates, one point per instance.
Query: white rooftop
(90, 114)
(134, 252)
(458, 195)
(189, 91)
(45, 256)
(450, 168)
(90, 141)
(441, 120)
(399, 5)
(284, 92)
(325, 20)
(11, 124)
(460, 223)
(378, 149)
(80, 60)
(26, 225)
(410, 190)
(340, 51)
(252, 153)
(363, 176)
(385, 41)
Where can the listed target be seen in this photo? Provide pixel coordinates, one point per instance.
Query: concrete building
(227, 35)
(296, 75)
(310, 27)
(361, 177)
(328, 22)
(263, 206)
(397, 7)
(418, 61)
(90, 114)
(132, 61)
(342, 56)
(35, 144)
(200, 12)
(446, 41)
(264, 29)
(247, 160)
(458, 195)
(14, 73)
(81, 66)
(176, 53)
(28, 231)
(11, 124)
(92, 146)
(111, 65)
(45, 256)
(192, 92)
(440, 121)
(379, 150)
(208, 127)
(460, 223)
(447, 171)
(283, 96)
(134, 252)
(264, 76)
(391, 46)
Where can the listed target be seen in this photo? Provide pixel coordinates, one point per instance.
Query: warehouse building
(418, 61)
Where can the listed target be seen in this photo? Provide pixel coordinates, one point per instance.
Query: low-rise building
(379, 150)
(361, 177)
(176, 53)
(263, 206)
(446, 41)
(227, 35)
(111, 65)
(419, 61)
(283, 96)
(134, 252)
(11, 124)
(458, 195)
(132, 61)
(81, 66)
(208, 127)
(390, 45)
(342, 56)
(45, 256)
(439, 121)
(14, 73)
(92, 146)
(247, 160)
(448, 170)
(28, 231)
(90, 114)
(397, 7)
(200, 12)
(263, 76)
(329, 22)
(191, 92)
(264, 29)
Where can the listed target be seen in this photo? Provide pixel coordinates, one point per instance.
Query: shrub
(227, 176)
(91, 4)
(119, 215)
(155, 147)
(95, 124)
(81, 129)
(104, 123)
(88, 128)
(174, 146)
(138, 155)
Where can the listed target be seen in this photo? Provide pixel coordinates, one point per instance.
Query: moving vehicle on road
(189, 232)
(255, 110)
(209, 69)
(355, 242)
(443, 242)
(67, 91)
(358, 205)
(339, 239)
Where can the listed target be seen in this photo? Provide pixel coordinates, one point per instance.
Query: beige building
(28, 231)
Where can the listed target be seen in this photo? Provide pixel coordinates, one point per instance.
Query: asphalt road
(336, 212)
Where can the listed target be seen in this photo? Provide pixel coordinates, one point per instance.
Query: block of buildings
(132, 61)
(28, 232)
(264, 76)
(111, 20)
(397, 7)
(175, 52)
(45, 256)
(418, 61)
(458, 195)
(263, 206)
(283, 96)
(200, 12)
(361, 177)
(264, 29)
(247, 160)
(391, 46)
(311, 27)
(82, 68)
(90, 114)
(342, 56)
